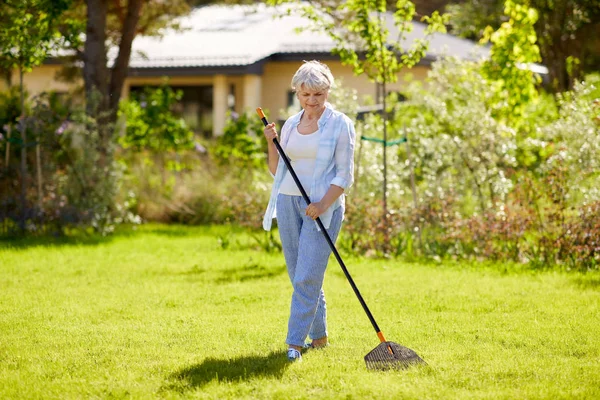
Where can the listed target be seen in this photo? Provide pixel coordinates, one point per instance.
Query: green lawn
(168, 313)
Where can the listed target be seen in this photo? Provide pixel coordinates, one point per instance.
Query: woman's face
(312, 100)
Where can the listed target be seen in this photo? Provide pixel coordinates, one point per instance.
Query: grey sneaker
(294, 355)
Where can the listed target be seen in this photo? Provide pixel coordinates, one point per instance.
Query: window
(292, 100)
(195, 108)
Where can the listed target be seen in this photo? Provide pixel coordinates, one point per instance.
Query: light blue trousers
(306, 254)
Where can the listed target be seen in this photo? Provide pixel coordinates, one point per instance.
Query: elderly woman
(320, 144)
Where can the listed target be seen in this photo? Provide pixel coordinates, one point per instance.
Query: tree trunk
(384, 80)
(413, 187)
(121, 65)
(23, 199)
(360, 145)
(7, 158)
(38, 160)
(556, 52)
(560, 38)
(7, 76)
(95, 73)
(385, 120)
(103, 86)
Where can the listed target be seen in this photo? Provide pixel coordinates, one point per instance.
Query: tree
(568, 33)
(103, 85)
(469, 19)
(28, 32)
(513, 49)
(425, 7)
(110, 26)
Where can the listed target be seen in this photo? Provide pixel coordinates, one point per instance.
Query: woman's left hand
(314, 210)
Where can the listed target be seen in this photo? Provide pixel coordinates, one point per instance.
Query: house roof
(240, 38)
(220, 36)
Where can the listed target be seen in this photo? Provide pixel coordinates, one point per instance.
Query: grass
(166, 312)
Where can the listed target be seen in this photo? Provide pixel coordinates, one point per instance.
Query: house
(237, 58)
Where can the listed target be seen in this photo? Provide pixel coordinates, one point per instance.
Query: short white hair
(313, 75)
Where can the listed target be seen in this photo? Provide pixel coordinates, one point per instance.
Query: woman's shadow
(230, 370)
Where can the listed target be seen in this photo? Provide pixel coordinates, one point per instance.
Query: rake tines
(390, 355)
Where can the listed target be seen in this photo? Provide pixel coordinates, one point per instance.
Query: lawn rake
(387, 355)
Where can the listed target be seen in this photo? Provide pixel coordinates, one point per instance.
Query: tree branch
(119, 11)
(121, 65)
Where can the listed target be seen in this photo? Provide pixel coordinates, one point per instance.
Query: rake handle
(261, 114)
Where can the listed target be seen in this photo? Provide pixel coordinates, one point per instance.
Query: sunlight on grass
(166, 312)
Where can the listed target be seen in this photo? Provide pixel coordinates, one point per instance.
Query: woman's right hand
(270, 132)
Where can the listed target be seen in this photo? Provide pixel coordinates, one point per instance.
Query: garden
(133, 261)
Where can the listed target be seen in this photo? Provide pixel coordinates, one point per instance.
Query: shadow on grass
(174, 231)
(179, 230)
(79, 237)
(53, 241)
(238, 369)
(588, 281)
(75, 237)
(82, 238)
(249, 272)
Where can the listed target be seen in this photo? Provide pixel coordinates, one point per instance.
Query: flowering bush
(484, 189)
(65, 187)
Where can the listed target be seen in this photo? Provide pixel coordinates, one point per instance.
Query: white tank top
(302, 151)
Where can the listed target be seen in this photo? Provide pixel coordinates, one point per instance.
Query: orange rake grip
(261, 114)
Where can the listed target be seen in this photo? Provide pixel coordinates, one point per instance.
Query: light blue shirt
(334, 164)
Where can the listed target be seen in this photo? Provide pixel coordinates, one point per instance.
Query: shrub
(242, 144)
(485, 190)
(86, 192)
(66, 188)
(572, 142)
(579, 248)
(201, 192)
(150, 123)
(223, 181)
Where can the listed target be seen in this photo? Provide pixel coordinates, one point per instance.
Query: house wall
(269, 90)
(159, 80)
(40, 79)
